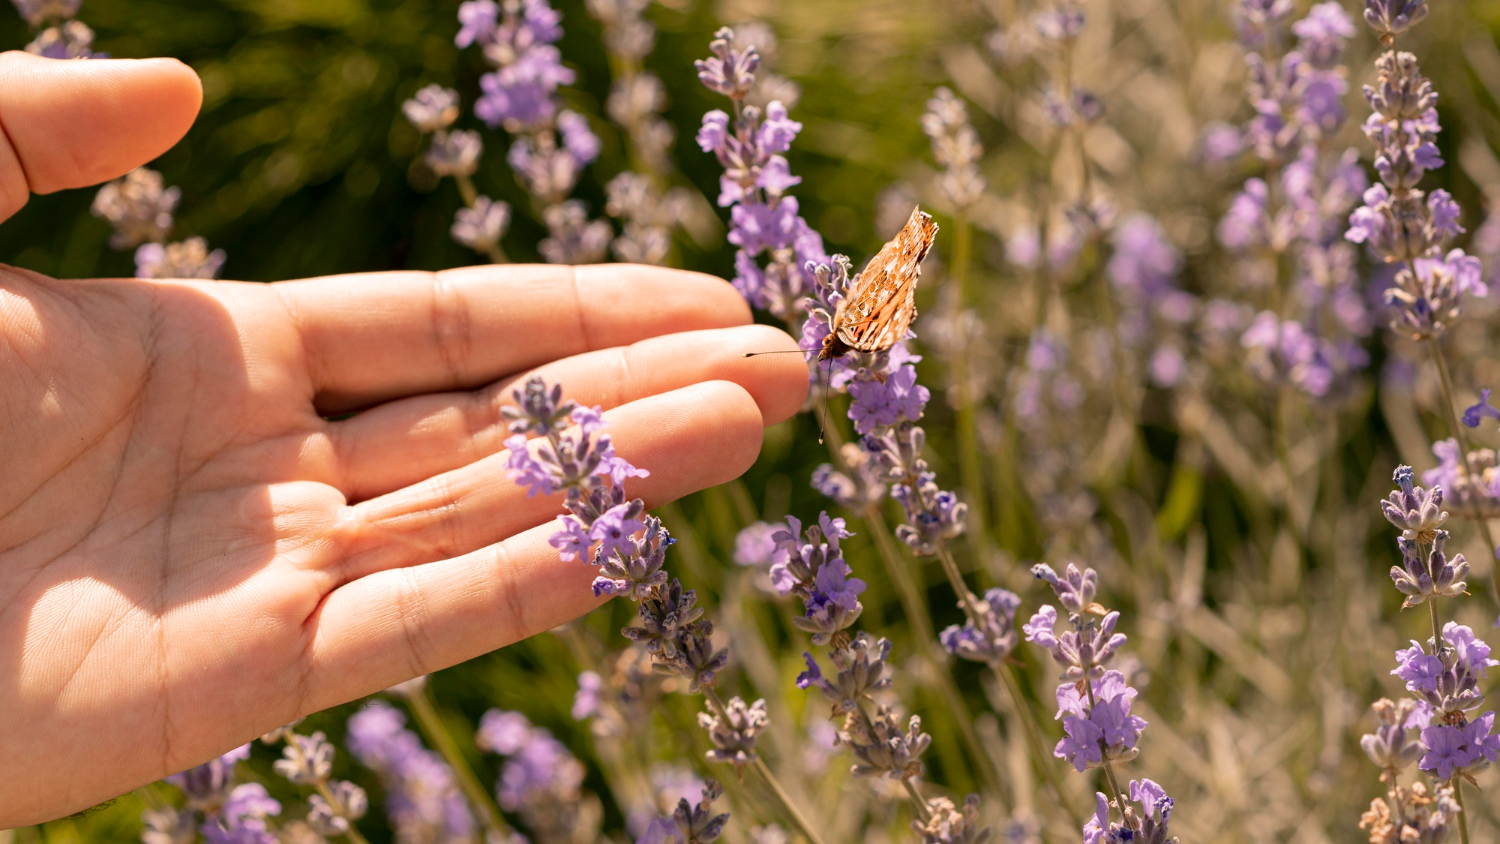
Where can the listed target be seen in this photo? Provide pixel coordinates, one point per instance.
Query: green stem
(432, 728)
(1462, 439)
(1031, 732)
(918, 615)
(920, 802)
(1463, 816)
(1030, 728)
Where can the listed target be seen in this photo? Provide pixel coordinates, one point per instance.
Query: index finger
(371, 338)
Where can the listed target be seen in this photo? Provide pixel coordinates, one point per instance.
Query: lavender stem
(437, 734)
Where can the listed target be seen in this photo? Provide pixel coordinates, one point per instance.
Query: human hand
(193, 553)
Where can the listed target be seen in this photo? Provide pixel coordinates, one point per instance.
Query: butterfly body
(880, 304)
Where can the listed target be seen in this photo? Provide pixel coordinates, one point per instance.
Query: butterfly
(881, 301)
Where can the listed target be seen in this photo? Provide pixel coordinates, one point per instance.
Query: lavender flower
(1144, 825)
(1098, 723)
(422, 799)
(1419, 817)
(1476, 414)
(242, 820)
(37, 12)
(955, 147)
(1398, 222)
(948, 824)
(735, 730)
(481, 226)
(882, 748)
(1417, 512)
(209, 785)
(690, 823)
(1425, 574)
(1390, 18)
(1393, 745)
(139, 207)
(188, 259)
(861, 670)
(1482, 497)
(994, 637)
(1446, 674)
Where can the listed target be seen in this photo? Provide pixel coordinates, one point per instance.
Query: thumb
(69, 124)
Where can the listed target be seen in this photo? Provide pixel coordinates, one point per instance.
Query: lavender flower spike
(735, 731)
(1482, 409)
(1418, 513)
(1421, 577)
(995, 636)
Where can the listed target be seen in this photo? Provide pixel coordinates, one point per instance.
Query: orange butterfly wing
(882, 300)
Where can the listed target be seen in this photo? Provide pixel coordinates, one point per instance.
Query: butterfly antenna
(781, 352)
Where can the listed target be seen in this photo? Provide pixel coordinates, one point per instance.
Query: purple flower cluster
(482, 222)
(550, 146)
(1314, 344)
(224, 811)
(601, 525)
(735, 730)
(690, 823)
(540, 780)
(605, 529)
(1448, 678)
(1443, 674)
(140, 208)
(1146, 825)
(422, 798)
(1143, 269)
(1398, 222)
(1286, 351)
(860, 669)
(1482, 497)
(60, 35)
(1098, 723)
(993, 637)
(308, 760)
(1094, 703)
(811, 567)
(751, 145)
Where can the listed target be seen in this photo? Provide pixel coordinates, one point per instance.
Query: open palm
(228, 505)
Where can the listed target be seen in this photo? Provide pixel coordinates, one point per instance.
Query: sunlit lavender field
(1168, 520)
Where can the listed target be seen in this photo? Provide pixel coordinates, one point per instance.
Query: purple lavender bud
(1421, 577)
(860, 669)
(422, 799)
(994, 638)
(189, 259)
(208, 786)
(481, 227)
(1075, 589)
(138, 207)
(730, 72)
(1390, 18)
(1255, 18)
(882, 748)
(735, 731)
(350, 803)
(37, 12)
(589, 697)
(632, 567)
(480, 20)
(571, 237)
(1144, 263)
(1414, 510)
(832, 603)
(454, 153)
(947, 824)
(308, 759)
(243, 817)
(1393, 745)
(1476, 414)
(1322, 35)
(68, 40)
(432, 109)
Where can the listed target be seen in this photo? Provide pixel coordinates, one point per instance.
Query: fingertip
(78, 123)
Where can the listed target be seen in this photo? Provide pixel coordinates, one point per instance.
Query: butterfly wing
(882, 302)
